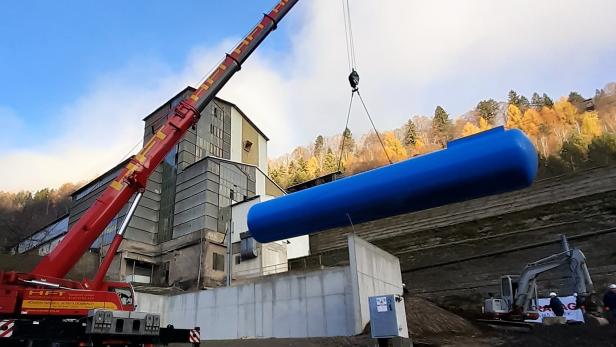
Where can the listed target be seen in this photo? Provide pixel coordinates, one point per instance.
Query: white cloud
(412, 55)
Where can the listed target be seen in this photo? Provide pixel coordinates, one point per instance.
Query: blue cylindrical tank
(491, 162)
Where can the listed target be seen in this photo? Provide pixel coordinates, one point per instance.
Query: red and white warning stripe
(195, 336)
(6, 328)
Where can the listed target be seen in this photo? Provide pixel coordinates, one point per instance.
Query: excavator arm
(576, 262)
(134, 176)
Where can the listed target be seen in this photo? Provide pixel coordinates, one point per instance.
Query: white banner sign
(572, 313)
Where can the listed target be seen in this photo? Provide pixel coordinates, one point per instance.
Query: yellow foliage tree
(591, 126)
(312, 167)
(514, 117)
(531, 121)
(549, 116)
(393, 146)
(483, 124)
(470, 129)
(566, 111)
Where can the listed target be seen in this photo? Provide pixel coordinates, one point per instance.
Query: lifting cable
(354, 81)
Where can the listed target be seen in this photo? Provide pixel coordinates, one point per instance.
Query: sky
(78, 77)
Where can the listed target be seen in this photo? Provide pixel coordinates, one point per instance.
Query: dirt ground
(432, 326)
(547, 336)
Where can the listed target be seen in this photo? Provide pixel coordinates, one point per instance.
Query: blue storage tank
(491, 162)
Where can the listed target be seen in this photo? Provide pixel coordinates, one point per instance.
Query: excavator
(518, 297)
(44, 308)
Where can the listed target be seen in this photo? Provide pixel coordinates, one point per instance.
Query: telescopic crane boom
(134, 176)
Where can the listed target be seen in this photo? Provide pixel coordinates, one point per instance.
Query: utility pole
(229, 251)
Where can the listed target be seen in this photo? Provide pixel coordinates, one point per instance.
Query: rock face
(455, 254)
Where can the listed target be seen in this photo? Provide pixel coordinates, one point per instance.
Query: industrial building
(201, 191)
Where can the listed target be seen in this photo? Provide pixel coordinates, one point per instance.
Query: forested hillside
(24, 212)
(569, 133)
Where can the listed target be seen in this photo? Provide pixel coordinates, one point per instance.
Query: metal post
(229, 252)
(200, 261)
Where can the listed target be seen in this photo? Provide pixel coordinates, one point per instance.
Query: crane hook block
(354, 80)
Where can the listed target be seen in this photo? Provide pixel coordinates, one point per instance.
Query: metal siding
(193, 200)
(146, 213)
(189, 214)
(188, 227)
(137, 234)
(190, 191)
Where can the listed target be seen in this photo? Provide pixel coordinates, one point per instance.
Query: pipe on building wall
(491, 162)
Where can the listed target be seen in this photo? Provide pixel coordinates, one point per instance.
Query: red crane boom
(134, 176)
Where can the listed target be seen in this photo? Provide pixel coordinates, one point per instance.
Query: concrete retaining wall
(376, 272)
(329, 302)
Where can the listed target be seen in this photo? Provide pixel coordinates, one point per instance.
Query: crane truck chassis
(42, 308)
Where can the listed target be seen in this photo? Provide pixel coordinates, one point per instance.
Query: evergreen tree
(349, 142)
(440, 125)
(524, 104)
(547, 101)
(410, 134)
(577, 100)
(318, 146)
(513, 98)
(487, 109)
(536, 101)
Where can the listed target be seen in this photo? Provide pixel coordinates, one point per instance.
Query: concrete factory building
(206, 184)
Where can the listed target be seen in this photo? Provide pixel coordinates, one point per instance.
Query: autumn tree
(591, 126)
(469, 129)
(330, 163)
(312, 168)
(394, 148)
(514, 117)
(566, 111)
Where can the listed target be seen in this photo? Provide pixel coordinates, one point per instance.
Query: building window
(238, 259)
(218, 262)
(247, 146)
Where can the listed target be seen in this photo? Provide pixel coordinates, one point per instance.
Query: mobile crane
(44, 307)
(519, 292)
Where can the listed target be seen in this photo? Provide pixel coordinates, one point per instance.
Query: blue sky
(51, 51)
(78, 77)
